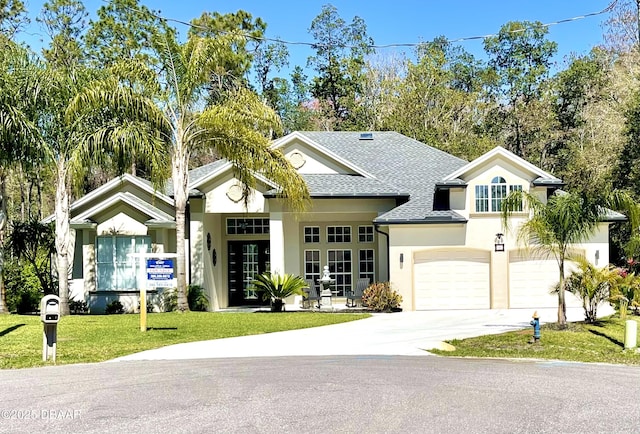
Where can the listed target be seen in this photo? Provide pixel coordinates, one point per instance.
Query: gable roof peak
(500, 151)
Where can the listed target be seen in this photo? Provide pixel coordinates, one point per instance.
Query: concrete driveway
(402, 333)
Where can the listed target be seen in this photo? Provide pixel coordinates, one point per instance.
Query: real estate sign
(159, 273)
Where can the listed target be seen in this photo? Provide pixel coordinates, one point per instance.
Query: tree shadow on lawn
(613, 340)
(10, 329)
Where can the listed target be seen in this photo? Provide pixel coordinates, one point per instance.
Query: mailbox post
(50, 316)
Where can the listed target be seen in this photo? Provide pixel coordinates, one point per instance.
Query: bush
(115, 307)
(196, 297)
(78, 306)
(23, 289)
(380, 297)
(591, 285)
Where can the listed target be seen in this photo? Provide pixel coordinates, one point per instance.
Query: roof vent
(366, 136)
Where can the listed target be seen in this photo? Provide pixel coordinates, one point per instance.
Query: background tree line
(580, 120)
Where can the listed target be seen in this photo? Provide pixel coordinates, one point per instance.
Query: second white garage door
(452, 279)
(531, 277)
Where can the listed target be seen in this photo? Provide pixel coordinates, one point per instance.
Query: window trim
(370, 274)
(366, 234)
(312, 235)
(488, 197)
(341, 289)
(344, 234)
(132, 264)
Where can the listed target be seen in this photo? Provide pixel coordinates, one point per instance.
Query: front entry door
(247, 259)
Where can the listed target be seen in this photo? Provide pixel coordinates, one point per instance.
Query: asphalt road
(342, 394)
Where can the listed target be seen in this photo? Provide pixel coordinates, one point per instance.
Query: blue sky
(400, 21)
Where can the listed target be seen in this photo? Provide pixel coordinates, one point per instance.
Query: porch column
(276, 242)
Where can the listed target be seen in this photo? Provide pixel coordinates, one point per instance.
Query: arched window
(498, 193)
(489, 197)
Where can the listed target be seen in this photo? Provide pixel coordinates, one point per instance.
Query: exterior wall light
(499, 242)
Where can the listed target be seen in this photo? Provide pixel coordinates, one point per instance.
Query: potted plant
(276, 288)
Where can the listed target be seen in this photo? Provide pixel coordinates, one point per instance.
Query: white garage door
(531, 277)
(456, 279)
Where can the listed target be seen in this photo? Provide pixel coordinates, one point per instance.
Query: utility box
(50, 309)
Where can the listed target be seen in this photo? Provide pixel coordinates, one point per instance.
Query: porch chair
(355, 295)
(311, 294)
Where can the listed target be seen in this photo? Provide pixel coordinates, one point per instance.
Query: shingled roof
(398, 163)
(395, 166)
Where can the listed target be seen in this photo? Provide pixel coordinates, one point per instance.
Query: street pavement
(398, 334)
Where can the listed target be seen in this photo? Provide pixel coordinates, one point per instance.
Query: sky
(391, 22)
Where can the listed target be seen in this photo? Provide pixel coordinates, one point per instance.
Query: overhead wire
(377, 46)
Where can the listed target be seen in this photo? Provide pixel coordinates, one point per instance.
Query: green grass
(95, 338)
(602, 342)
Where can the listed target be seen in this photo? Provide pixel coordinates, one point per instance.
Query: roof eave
(423, 221)
(270, 195)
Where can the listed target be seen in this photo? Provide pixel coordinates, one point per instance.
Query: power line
(375, 46)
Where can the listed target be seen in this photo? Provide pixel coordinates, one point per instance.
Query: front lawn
(601, 342)
(96, 338)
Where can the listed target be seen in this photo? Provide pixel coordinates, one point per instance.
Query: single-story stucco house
(384, 206)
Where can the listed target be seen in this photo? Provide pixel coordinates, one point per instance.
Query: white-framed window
(250, 226)
(338, 234)
(116, 269)
(482, 198)
(365, 234)
(311, 234)
(488, 198)
(312, 265)
(340, 266)
(366, 264)
(513, 188)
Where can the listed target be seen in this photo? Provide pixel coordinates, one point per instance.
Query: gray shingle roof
(340, 185)
(400, 163)
(400, 167)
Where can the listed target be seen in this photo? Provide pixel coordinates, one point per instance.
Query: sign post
(159, 273)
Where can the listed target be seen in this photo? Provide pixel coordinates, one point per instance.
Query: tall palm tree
(21, 77)
(238, 127)
(93, 120)
(564, 220)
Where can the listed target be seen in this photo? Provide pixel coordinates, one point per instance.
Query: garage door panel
(531, 280)
(452, 280)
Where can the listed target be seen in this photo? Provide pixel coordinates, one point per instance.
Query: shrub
(196, 297)
(380, 297)
(78, 306)
(591, 285)
(23, 289)
(624, 292)
(115, 307)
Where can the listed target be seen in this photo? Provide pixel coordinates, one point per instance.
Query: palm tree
(564, 220)
(20, 97)
(591, 285)
(238, 127)
(275, 288)
(95, 121)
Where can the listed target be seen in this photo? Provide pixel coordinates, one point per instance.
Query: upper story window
(339, 234)
(365, 234)
(489, 197)
(311, 234)
(249, 226)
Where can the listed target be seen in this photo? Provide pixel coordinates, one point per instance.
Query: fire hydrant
(536, 328)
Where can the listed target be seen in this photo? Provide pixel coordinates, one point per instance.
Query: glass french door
(247, 259)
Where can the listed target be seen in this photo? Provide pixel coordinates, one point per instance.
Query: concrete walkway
(403, 333)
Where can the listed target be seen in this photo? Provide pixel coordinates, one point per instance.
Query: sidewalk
(402, 333)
